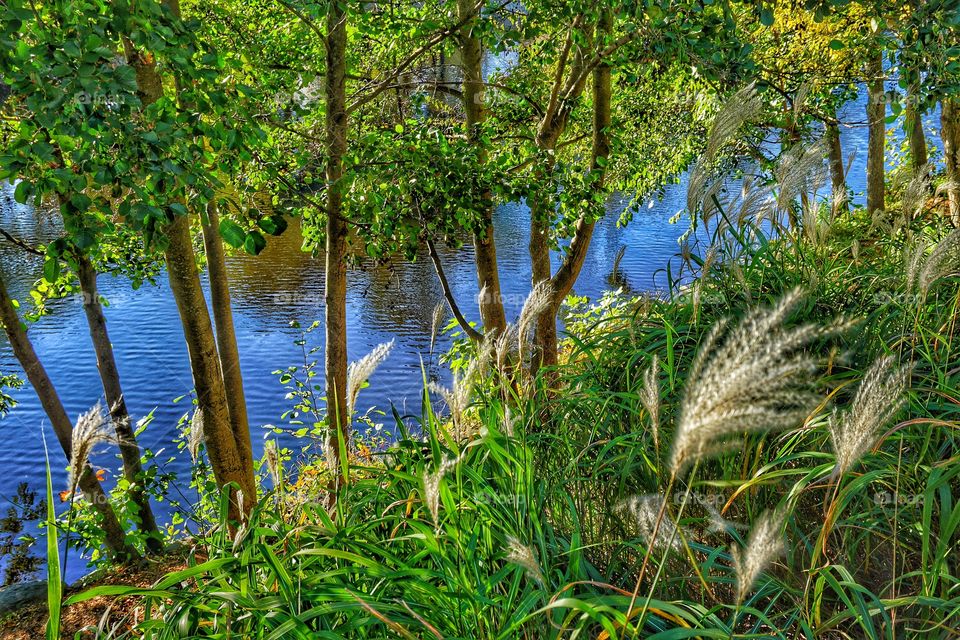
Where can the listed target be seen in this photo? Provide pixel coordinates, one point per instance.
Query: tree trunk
(569, 271)
(113, 392)
(544, 351)
(228, 450)
(223, 445)
(838, 181)
(950, 132)
(115, 537)
(335, 295)
(485, 249)
(226, 335)
(917, 139)
(545, 336)
(876, 114)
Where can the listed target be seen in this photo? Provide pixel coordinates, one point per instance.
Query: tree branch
(20, 243)
(474, 335)
(384, 84)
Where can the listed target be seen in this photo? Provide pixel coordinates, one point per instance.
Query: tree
(876, 139)
(227, 437)
(473, 96)
(53, 144)
(114, 535)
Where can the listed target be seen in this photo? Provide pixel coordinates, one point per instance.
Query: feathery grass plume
(524, 557)
(815, 228)
(537, 302)
(504, 345)
(742, 107)
(91, 429)
(880, 396)
(801, 169)
(645, 511)
(702, 187)
(916, 191)
(756, 377)
(196, 436)
(458, 396)
(650, 398)
(838, 200)
(944, 260)
(718, 524)
(756, 202)
(431, 484)
(272, 455)
(360, 371)
(439, 315)
(764, 545)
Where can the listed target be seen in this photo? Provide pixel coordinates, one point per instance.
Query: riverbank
(537, 526)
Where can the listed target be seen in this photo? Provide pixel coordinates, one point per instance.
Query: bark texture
(485, 249)
(115, 537)
(915, 135)
(113, 393)
(545, 336)
(838, 179)
(226, 334)
(228, 450)
(876, 114)
(223, 444)
(552, 126)
(335, 294)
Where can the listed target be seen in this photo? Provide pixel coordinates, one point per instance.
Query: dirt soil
(82, 620)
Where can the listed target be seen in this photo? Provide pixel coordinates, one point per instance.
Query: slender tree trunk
(223, 444)
(545, 336)
(876, 114)
(115, 537)
(485, 249)
(226, 335)
(113, 392)
(950, 132)
(915, 135)
(838, 181)
(227, 449)
(569, 271)
(544, 351)
(335, 295)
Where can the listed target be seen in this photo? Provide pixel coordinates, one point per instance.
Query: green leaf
(254, 243)
(22, 192)
(274, 225)
(51, 269)
(232, 233)
(836, 45)
(54, 582)
(766, 17)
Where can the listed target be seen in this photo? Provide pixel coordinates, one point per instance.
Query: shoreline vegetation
(769, 450)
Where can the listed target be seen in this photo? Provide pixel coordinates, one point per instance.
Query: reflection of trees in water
(285, 283)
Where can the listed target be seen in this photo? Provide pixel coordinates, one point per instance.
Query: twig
(474, 335)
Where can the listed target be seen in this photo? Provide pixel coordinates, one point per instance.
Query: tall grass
(779, 474)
